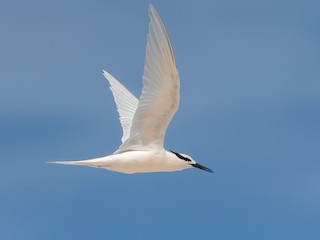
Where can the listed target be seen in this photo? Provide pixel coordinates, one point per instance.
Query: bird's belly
(142, 162)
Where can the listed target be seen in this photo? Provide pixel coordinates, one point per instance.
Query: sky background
(249, 110)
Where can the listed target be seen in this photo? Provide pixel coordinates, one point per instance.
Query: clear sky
(250, 110)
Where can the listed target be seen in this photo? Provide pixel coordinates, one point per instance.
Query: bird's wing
(160, 95)
(126, 103)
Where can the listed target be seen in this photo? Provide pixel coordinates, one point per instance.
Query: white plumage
(126, 103)
(145, 121)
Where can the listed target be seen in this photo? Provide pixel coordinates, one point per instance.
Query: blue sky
(250, 100)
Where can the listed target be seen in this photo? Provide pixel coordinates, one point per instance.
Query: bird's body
(136, 162)
(144, 122)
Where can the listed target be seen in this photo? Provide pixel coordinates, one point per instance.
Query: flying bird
(144, 122)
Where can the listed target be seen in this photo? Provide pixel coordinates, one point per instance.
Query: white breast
(145, 161)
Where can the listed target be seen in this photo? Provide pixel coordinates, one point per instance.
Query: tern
(144, 122)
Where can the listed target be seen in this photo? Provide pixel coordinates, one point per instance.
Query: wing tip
(152, 10)
(151, 7)
(108, 76)
(104, 72)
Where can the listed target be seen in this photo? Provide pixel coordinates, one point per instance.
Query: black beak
(197, 165)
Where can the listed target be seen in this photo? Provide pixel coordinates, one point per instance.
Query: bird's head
(190, 162)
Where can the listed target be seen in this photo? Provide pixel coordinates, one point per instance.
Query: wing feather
(160, 95)
(126, 103)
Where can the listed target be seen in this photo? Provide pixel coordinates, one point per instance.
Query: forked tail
(97, 162)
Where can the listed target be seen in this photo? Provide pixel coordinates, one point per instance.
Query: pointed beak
(197, 165)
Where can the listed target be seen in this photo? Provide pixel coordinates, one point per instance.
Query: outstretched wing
(126, 103)
(160, 95)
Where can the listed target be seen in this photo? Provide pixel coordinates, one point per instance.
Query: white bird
(144, 122)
